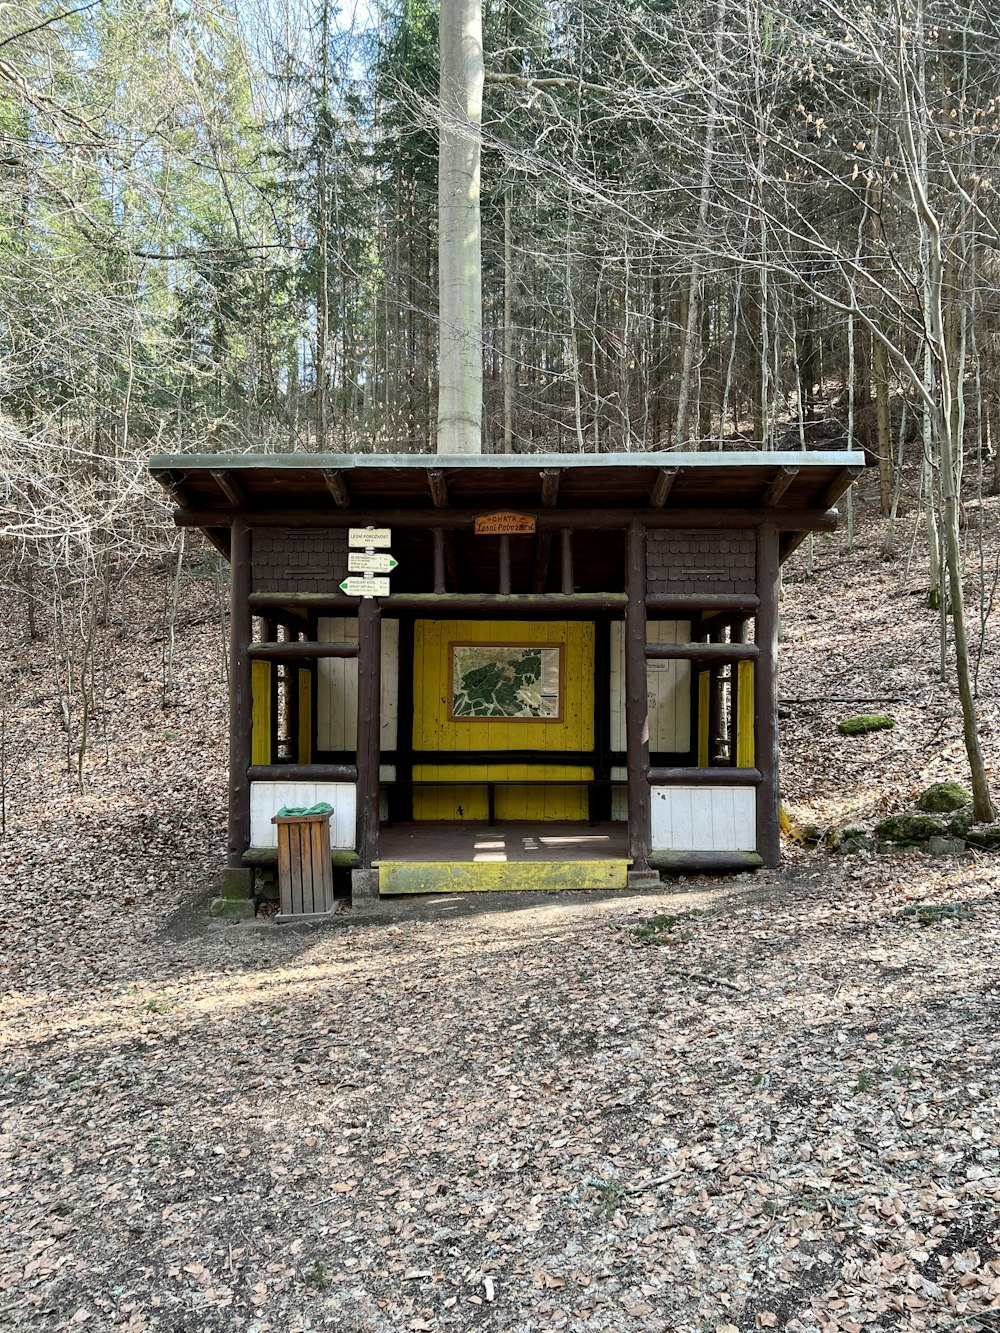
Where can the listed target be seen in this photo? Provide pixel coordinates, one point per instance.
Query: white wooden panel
(337, 687)
(267, 798)
(668, 686)
(704, 819)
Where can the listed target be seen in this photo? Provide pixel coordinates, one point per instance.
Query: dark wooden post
(369, 727)
(566, 552)
(240, 692)
(504, 588)
(439, 583)
(766, 696)
(636, 701)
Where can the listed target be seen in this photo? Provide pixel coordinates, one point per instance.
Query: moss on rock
(943, 797)
(984, 836)
(864, 723)
(909, 830)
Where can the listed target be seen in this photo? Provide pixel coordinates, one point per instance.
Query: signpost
(365, 586)
(368, 562)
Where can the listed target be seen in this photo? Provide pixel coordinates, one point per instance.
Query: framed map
(519, 682)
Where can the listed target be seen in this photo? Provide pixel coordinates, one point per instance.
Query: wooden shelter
(578, 644)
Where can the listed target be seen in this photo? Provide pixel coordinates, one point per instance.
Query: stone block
(233, 909)
(644, 879)
(364, 886)
(236, 882)
(945, 846)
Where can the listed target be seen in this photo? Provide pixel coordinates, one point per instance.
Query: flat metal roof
(223, 485)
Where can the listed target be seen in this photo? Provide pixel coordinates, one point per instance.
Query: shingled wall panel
(299, 559)
(696, 560)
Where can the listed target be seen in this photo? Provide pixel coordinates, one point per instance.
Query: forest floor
(771, 1101)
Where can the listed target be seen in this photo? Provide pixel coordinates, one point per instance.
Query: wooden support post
(636, 701)
(439, 582)
(566, 550)
(369, 728)
(504, 588)
(766, 696)
(240, 693)
(543, 544)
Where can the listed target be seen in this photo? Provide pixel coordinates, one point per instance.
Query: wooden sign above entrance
(504, 523)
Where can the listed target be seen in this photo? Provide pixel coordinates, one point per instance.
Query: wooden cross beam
(439, 488)
(174, 484)
(665, 479)
(337, 487)
(550, 486)
(230, 488)
(777, 488)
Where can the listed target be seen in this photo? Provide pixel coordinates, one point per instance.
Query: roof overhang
(795, 490)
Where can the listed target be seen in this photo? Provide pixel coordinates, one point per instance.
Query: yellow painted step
(498, 876)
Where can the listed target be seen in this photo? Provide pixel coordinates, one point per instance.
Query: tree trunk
(460, 265)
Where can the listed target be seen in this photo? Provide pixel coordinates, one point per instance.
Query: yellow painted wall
(744, 716)
(434, 730)
(260, 692)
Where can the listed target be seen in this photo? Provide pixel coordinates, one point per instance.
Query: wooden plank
(704, 862)
(717, 817)
(550, 486)
(698, 601)
(260, 733)
(701, 777)
(665, 479)
(766, 696)
(294, 650)
(744, 715)
(369, 697)
(443, 605)
(701, 652)
(240, 693)
(337, 687)
(335, 483)
(636, 709)
(303, 773)
(791, 520)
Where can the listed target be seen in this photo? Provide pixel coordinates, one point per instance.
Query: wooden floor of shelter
(482, 844)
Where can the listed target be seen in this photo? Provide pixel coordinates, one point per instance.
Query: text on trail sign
(370, 562)
(365, 586)
(369, 537)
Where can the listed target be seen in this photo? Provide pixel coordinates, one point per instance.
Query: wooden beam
(174, 484)
(792, 520)
(779, 485)
(240, 693)
(766, 697)
(303, 773)
(701, 652)
(230, 488)
(550, 486)
(504, 565)
(543, 548)
(665, 479)
(704, 777)
(708, 602)
(281, 652)
(337, 487)
(320, 601)
(636, 701)
(841, 483)
(451, 603)
(566, 561)
(704, 863)
(219, 538)
(439, 579)
(369, 728)
(439, 487)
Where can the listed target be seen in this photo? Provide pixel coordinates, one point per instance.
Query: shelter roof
(212, 489)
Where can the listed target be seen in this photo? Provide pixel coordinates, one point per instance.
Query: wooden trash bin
(305, 867)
